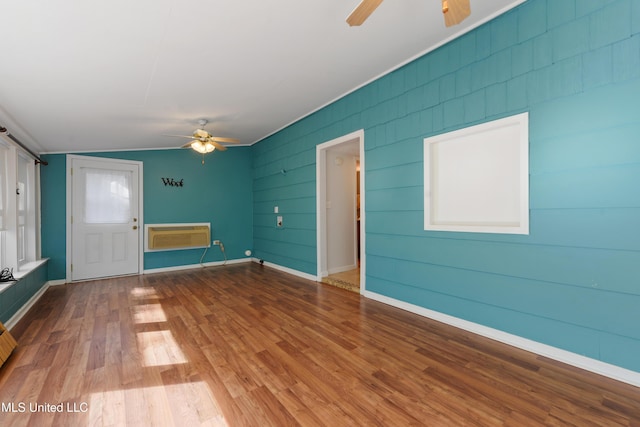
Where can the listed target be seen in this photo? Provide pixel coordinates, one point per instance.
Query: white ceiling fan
(203, 142)
(454, 11)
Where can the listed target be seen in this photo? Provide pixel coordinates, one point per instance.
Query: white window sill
(28, 268)
(24, 270)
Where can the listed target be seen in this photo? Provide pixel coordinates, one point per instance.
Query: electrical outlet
(216, 242)
(279, 221)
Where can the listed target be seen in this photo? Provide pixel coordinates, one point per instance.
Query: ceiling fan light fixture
(202, 148)
(203, 142)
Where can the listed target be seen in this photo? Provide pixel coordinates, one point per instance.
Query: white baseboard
(25, 308)
(573, 359)
(288, 270)
(192, 266)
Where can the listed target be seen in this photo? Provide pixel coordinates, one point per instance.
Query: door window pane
(107, 196)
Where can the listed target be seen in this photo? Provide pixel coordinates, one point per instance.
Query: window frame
(9, 237)
(4, 149)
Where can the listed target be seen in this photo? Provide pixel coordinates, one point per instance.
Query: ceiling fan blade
(223, 139)
(455, 11)
(217, 145)
(180, 136)
(362, 12)
(187, 145)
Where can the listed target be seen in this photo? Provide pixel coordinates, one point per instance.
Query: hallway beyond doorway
(349, 280)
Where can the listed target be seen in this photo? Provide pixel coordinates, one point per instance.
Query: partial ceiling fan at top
(455, 11)
(203, 142)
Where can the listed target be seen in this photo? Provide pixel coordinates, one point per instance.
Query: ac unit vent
(165, 237)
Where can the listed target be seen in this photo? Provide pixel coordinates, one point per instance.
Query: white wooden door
(105, 225)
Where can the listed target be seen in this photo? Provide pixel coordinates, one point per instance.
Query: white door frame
(321, 203)
(70, 158)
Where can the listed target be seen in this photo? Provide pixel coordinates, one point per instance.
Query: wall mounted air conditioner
(170, 237)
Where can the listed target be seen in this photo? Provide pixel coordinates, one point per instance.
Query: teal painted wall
(218, 192)
(14, 297)
(574, 282)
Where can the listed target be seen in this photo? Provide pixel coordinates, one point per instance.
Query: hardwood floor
(244, 345)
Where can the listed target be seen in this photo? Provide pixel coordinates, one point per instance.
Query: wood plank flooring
(245, 345)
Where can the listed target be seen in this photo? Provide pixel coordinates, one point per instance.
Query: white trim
(288, 270)
(25, 308)
(496, 155)
(321, 225)
(140, 216)
(118, 150)
(195, 266)
(38, 209)
(25, 162)
(28, 267)
(596, 366)
(10, 242)
(69, 159)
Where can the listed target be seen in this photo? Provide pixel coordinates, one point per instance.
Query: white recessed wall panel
(119, 247)
(93, 248)
(477, 178)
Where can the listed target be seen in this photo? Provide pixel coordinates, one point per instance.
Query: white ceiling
(85, 75)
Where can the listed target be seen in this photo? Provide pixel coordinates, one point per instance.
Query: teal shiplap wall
(218, 192)
(574, 281)
(13, 298)
(53, 201)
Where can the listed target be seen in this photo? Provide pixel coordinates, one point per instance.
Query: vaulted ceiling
(85, 75)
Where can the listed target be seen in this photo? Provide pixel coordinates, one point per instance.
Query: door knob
(135, 227)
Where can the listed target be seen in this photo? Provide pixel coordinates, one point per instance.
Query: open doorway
(340, 211)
